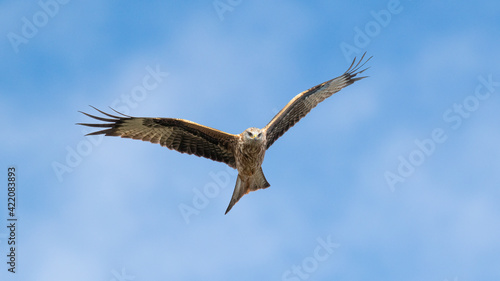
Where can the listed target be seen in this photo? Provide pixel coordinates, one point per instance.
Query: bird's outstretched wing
(301, 104)
(177, 134)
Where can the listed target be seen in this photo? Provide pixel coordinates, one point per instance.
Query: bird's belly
(249, 161)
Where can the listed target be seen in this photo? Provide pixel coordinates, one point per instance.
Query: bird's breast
(249, 158)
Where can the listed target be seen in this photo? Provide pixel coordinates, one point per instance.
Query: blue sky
(393, 178)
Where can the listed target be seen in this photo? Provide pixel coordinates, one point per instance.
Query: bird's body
(249, 154)
(244, 152)
(249, 151)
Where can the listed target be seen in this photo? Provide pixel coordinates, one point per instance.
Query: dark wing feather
(301, 104)
(177, 134)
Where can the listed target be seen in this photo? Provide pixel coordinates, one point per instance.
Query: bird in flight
(244, 152)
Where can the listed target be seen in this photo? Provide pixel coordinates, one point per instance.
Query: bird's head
(254, 135)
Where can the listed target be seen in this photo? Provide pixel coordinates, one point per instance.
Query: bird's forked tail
(245, 185)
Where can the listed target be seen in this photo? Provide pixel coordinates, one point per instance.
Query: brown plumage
(244, 152)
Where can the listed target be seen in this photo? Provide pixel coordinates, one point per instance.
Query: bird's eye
(259, 135)
(249, 134)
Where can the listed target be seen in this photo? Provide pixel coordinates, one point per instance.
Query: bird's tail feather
(244, 186)
(259, 181)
